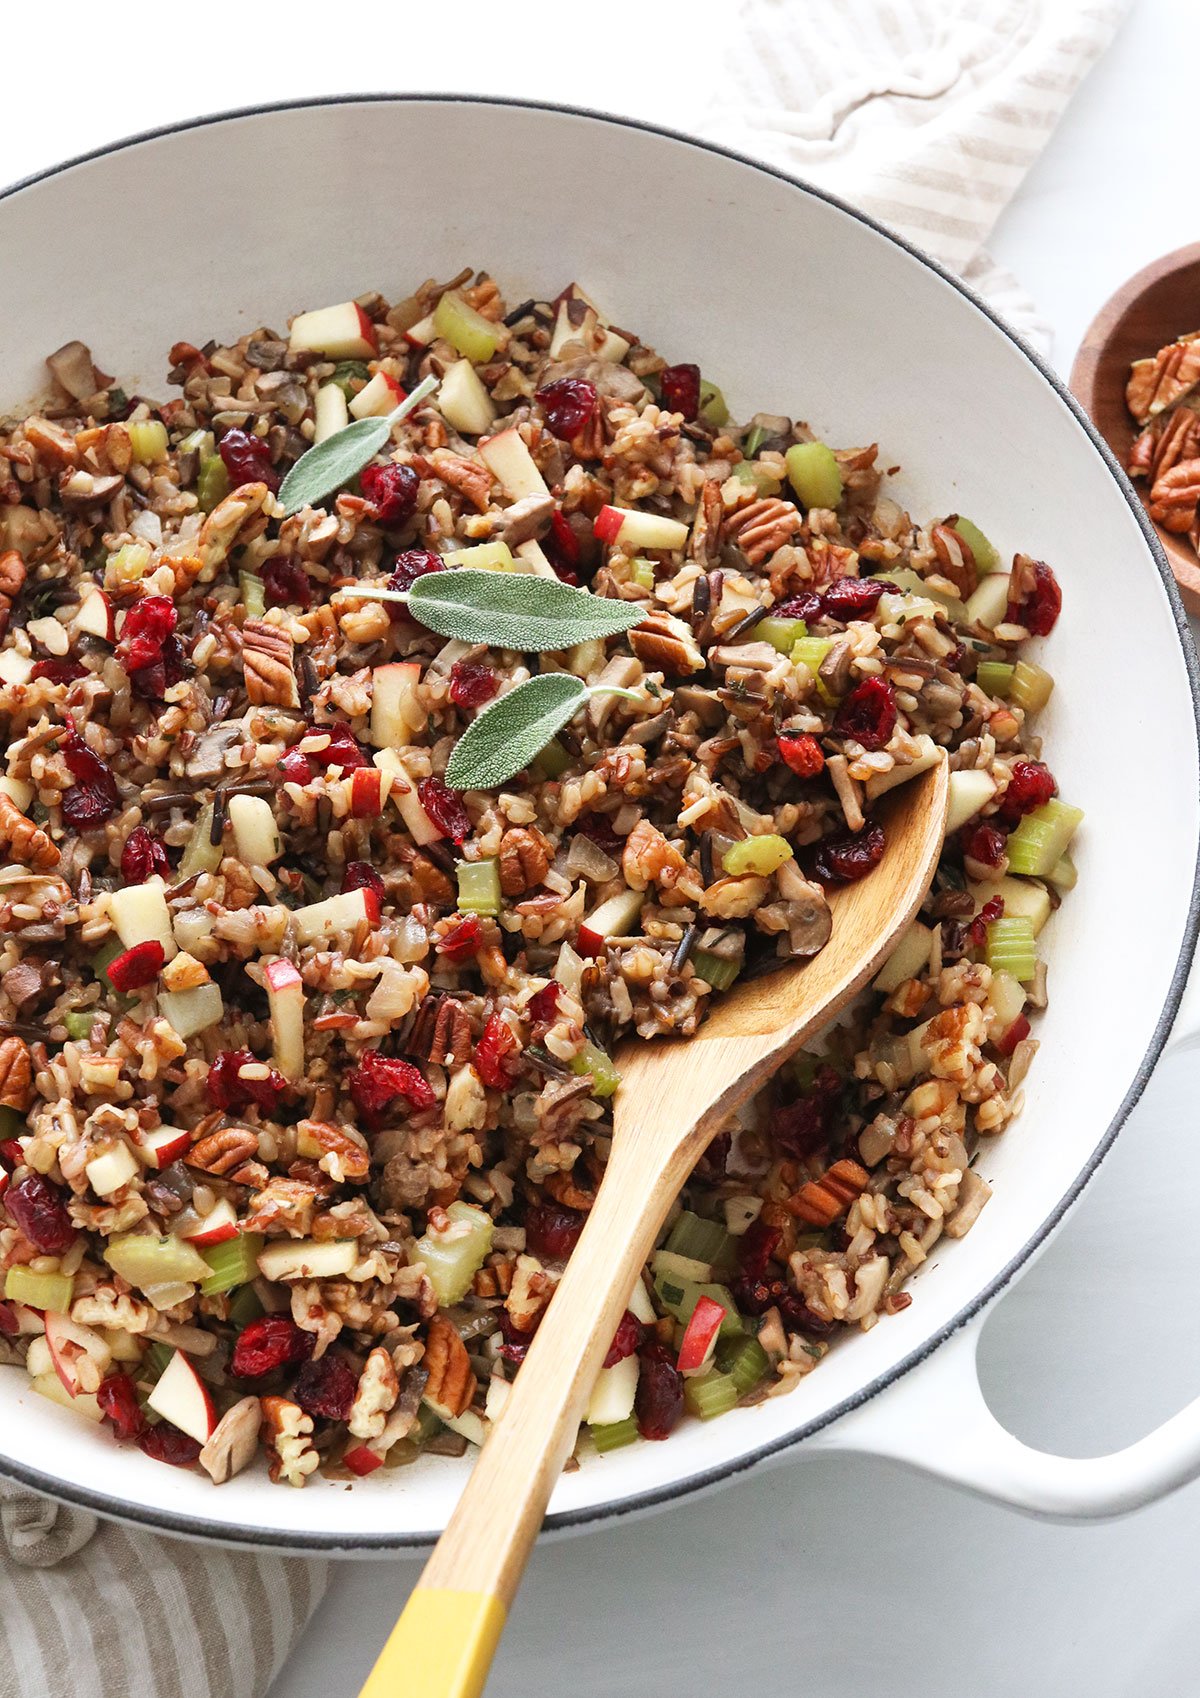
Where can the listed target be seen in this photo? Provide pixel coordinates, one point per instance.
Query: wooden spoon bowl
(1150, 310)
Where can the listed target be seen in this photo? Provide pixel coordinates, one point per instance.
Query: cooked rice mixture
(305, 1066)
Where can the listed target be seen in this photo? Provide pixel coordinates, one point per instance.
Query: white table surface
(824, 1576)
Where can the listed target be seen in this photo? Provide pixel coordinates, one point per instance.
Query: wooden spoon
(673, 1098)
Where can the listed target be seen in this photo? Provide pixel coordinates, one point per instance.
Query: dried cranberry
(681, 389)
(463, 941)
(850, 856)
(10, 1326)
(552, 1231)
(378, 1080)
(152, 682)
(600, 829)
(801, 752)
(11, 1154)
(390, 491)
(59, 671)
(361, 875)
(803, 1126)
(852, 598)
(247, 459)
(271, 1342)
(806, 606)
(562, 548)
(756, 1296)
(756, 1248)
(470, 685)
(798, 1317)
(286, 584)
(148, 625)
(1016, 1033)
(166, 1443)
(568, 405)
(137, 966)
(40, 1212)
(983, 843)
(629, 1337)
(326, 1387)
(1038, 601)
(296, 767)
(341, 750)
(94, 796)
(414, 563)
(143, 855)
(492, 1054)
(445, 809)
(118, 1400)
(868, 713)
(1031, 786)
(543, 1005)
(992, 909)
(228, 1090)
(516, 1339)
(659, 1400)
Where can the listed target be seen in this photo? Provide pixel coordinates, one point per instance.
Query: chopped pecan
(493, 1280)
(21, 840)
(532, 1288)
(525, 858)
(287, 1431)
(650, 858)
(16, 1074)
(1174, 497)
(704, 544)
(233, 1441)
(955, 559)
(267, 651)
(338, 1151)
(221, 1151)
(470, 477)
(1179, 439)
(378, 1389)
(666, 643)
(12, 574)
(1142, 453)
(449, 1042)
(566, 1189)
(451, 1383)
(821, 1201)
(762, 527)
(55, 446)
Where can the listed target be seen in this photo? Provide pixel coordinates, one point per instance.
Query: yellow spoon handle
(442, 1646)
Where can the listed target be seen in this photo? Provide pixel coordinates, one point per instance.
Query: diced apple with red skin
(341, 332)
(634, 529)
(96, 616)
(51, 1387)
(377, 397)
(335, 914)
(218, 1225)
(330, 413)
(512, 465)
(614, 918)
(422, 333)
(404, 793)
(181, 1397)
(108, 1172)
(700, 1335)
(368, 792)
(396, 714)
(285, 997)
(362, 1460)
(67, 1341)
(163, 1145)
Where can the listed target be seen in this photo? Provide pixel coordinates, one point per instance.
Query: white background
(828, 1577)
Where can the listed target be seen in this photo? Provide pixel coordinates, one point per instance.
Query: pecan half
(821, 1201)
(449, 1042)
(1174, 497)
(663, 642)
(16, 1074)
(704, 544)
(762, 527)
(268, 651)
(1142, 453)
(1154, 385)
(12, 574)
(221, 1151)
(525, 857)
(21, 840)
(451, 1383)
(336, 1151)
(1178, 440)
(469, 477)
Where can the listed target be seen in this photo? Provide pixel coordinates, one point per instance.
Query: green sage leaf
(516, 610)
(328, 466)
(506, 736)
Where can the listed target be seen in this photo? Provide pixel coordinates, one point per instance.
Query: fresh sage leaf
(506, 736)
(516, 610)
(330, 465)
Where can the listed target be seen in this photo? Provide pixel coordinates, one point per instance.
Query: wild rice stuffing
(304, 1052)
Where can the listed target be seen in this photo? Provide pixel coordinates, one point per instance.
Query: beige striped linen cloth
(926, 113)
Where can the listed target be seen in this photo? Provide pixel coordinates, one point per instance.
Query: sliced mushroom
(526, 520)
(81, 489)
(73, 369)
(206, 763)
(834, 670)
(809, 918)
(625, 673)
(284, 392)
(233, 1441)
(267, 353)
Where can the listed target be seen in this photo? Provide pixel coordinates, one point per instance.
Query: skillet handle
(968, 1447)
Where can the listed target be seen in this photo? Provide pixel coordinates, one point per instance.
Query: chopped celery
(148, 439)
(478, 887)
(715, 970)
(553, 760)
(995, 678)
(475, 337)
(212, 484)
(754, 441)
(710, 1394)
(680, 1297)
(453, 1257)
(986, 557)
(39, 1290)
(201, 854)
(158, 1360)
(200, 442)
(614, 1434)
(592, 1059)
(245, 1306)
(253, 598)
(233, 1262)
(1062, 874)
(102, 960)
(679, 1268)
(1010, 947)
(483, 557)
(760, 855)
(713, 408)
(764, 480)
(350, 376)
(146, 1260)
(79, 1025)
(782, 634)
(814, 474)
(128, 565)
(706, 1240)
(1032, 687)
(810, 652)
(643, 573)
(1041, 839)
(744, 1360)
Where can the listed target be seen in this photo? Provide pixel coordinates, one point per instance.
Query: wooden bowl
(1152, 309)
